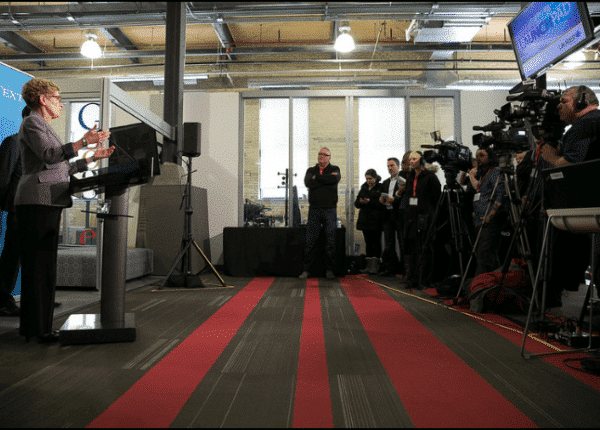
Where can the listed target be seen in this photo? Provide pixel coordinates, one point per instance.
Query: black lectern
(112, 324)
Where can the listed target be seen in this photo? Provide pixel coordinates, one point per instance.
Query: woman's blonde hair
(34, 88)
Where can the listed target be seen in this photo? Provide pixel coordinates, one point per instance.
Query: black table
(276, 251)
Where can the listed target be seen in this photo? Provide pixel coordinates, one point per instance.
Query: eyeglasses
(55, 97)
(326, 155)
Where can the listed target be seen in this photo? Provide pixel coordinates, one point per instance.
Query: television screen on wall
(545, 33)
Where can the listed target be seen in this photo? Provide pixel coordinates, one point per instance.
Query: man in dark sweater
(10, 262)
(322, 183)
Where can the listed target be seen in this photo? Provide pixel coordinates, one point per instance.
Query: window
(274, 145)
(380, 133)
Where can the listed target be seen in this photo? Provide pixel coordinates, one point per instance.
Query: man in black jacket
(391, 226)
(322, 183)
(10, 262)
(421, 195)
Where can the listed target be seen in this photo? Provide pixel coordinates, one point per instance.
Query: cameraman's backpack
(486, 293)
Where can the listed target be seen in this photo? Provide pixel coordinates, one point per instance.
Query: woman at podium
(42, 193)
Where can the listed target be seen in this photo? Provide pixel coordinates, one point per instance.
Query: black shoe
(56, 304)
(48, 337)
(386, 273)
(9, 310)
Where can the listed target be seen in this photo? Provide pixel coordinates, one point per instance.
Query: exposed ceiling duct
(429, 45)
(447, 31)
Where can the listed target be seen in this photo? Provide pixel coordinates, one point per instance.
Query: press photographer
(527, 116)
(421, 195)
(571, 252)
(487, 185)
(450, 238)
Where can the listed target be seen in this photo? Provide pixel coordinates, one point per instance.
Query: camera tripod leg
(487, 211)
(174, 265)
(519, 237)
(459, 231)
(209, 263)
(456, 223)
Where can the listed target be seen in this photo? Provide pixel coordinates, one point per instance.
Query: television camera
(452, 156)
(519, 125)
(254, 215)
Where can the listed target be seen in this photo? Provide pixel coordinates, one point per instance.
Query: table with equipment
(277, 251)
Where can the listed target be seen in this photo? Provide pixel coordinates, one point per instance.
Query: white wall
(217, 166)
(477, 108)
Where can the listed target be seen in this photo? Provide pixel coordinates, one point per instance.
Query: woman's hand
(94, 137)
(103, 152)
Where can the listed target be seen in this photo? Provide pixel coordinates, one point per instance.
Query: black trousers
(392, 231)
(372, 243)
(10, 261)
(418, 260)
(570, 255)
(487, 248)
(38, 230)
(318, 218)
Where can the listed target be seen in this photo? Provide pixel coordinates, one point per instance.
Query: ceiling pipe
(244, 50)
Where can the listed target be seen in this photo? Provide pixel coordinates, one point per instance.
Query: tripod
(453, 194)
(186, 278)
(517, 220)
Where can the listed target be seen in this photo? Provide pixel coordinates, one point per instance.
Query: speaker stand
(186, 279)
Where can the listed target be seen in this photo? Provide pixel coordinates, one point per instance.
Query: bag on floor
(486, 294)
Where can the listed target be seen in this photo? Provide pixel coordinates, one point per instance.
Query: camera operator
(571, 252)
(421, 195)
(483, 179)
(579, 107)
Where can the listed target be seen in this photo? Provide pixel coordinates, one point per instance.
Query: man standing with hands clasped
(322, 183)
(391, 229)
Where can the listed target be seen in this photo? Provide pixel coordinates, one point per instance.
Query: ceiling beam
(121, 41)
(19, 44)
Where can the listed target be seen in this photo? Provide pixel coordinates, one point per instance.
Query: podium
(112, 324)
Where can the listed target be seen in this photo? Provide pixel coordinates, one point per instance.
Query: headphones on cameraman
(582, 102)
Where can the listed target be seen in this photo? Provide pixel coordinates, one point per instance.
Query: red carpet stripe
(156, 399)
(312, 403)
(436, 387)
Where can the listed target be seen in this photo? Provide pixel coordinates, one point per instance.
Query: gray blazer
(46, 170)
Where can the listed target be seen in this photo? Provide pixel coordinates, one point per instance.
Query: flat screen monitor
(134, 142)
(545, 33)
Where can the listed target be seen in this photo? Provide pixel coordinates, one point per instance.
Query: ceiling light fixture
(344, 42)
(90, 48)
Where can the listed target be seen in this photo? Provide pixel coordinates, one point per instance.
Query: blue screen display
(545, 31)
(11, 105)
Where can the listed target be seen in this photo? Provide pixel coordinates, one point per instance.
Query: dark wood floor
(252, 382)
